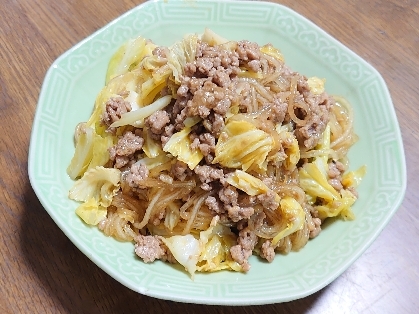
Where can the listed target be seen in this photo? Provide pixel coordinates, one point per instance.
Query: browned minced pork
(267, 251)
(308, 135)
(228, 195)
(214, 204)
(136, 174)
(157, 122)
(208, 174)
(127, 145)
(314, 227)
(243, 250)
(115, 107)
(317, 228)
(149, 248)
(167, 134)
(237, 213)
(180, 170)
(268, 200)
(334, 172)
(205, 142)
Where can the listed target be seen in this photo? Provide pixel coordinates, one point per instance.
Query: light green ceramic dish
(76, 77)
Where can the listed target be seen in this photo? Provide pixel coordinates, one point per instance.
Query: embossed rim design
(67, 97)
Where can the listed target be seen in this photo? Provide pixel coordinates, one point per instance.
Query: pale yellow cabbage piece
(211, 252)
(151, 147)
(216, 242)
(180, 53)
(247, 183)
(84, 138)
(354, 178)
(99, 183)
(314, 183)
(128, 56)
(272, 51)
(294, 216)
(151, 163)
(186, 250)
(91, 151)
(342, 207)
(179, 145)
(242, 145)
(316, 85)
(91, 212)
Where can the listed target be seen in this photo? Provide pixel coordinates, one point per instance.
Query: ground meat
(353, 191)
(247, 50)
(128, 144)
(228, 195)
(207, 174)
(136, 174)
(317, 228)
(336, 184)
(209, 97)
(161, 52)
(115, 107)
(214, 205)
(268, 200)
(237, 213)
(157, 121)
(243, 250)
(279, 111)
(167, 134)
(180, 170)
(308, 135)
(335, 169)
(334, 172)
(150, 248)
(206, 144)
(267, 251)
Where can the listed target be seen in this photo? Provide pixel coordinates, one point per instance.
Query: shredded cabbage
(136, 117)
(181, 53)
(179, 146)
(99, 183)
(293, 214)
(91, 212)
(247, 183)
(242, 145)
(128, 55)
(185, 249)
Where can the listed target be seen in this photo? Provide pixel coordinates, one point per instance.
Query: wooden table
(43, 272)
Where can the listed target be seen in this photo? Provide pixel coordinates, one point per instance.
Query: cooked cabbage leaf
(354, 178)
(272, 51)
(91, 212)
(247, 183)
(242, 145)
(293, 216)
(99, 183)
(316, 85)
(314, 183)
(136, 117)
(179, 145)
(128, 55)
(185, 249)
(216, 242)
(180, 53)
(84, 138)
(342, 207)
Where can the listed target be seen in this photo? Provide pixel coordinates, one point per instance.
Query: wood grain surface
(43, 272)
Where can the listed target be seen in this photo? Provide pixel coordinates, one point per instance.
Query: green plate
(75, 78)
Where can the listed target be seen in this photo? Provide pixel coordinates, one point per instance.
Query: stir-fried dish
(209, 151)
